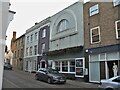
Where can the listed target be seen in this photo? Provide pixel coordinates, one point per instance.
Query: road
(21, 79)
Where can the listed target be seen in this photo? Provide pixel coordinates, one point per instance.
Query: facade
(18, 51)
(6, 16)
(67, 41)
(43, 44)
(102, 39)
(33, 55)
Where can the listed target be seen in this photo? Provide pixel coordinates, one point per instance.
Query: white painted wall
(5, 18)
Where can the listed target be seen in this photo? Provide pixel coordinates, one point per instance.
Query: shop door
(94, 72)
(79, 67)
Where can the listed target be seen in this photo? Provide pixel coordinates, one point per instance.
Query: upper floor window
(43, 48)
(116, 2)
(63, 25)
(36, 35)
(35, 49)
(94, 10)
(43, 33)
(117, 26)
(95, 35)
(27, 39)
(27, 51)
(31, 37)
(31, 50)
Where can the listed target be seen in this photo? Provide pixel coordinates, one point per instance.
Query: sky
(28, 12)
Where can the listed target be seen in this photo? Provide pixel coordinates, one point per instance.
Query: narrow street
(21, 79)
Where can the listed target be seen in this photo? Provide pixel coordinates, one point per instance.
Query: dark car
(7, 66)
(50, 76)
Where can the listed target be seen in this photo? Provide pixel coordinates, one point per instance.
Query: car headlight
(54, 77)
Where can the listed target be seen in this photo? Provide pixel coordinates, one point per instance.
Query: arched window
(63, 25)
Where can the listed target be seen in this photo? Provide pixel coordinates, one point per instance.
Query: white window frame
(93, 10)
(116, 29)
(92, 36)
(116, 2)
(83, 67)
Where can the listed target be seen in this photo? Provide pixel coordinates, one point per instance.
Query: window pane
(119, 33)
(95, 38)
(65, 66)
(79, 71)
(95, 32)
(79, 63)
(118, 25)
(72, 66)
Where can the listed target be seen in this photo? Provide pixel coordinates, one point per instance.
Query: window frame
(95, 10)
(63, 25)
(116, 2)
(117, 37)
(91, 36)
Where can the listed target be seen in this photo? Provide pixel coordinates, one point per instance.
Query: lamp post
(5, 17)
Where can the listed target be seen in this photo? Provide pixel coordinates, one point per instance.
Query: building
(6, 16)
(43, 44)
(33, 46)
(67, 41)
(17, 47)
(102, 39)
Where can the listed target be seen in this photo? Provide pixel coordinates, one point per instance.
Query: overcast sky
(30, 11)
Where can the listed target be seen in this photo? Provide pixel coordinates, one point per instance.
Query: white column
(106, 70)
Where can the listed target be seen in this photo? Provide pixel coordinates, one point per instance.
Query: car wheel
(36, 77)
(49, 80)
(109, 89)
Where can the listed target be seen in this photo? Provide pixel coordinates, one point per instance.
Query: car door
(40, 75)
(45, 75)
(116, 83)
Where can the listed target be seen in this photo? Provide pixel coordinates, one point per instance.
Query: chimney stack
(14, 35)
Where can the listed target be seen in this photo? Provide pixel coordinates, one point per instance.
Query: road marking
(12, 83)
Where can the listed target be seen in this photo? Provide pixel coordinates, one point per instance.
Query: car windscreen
(53, 71)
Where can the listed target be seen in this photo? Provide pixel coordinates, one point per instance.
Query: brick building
(102, 39)
(17, 47)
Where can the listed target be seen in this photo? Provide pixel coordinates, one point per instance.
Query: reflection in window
(72, 66)
(57, 65)
(65, 66)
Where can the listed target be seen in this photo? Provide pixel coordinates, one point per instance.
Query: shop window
(65, 66)
(57, 65)
(72, 66)
(117, 26)
(95, 35)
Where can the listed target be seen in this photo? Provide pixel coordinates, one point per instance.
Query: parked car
(50, 75)
(110, 84)
(7, 66)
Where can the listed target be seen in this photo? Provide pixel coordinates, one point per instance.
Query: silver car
(110, 84)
